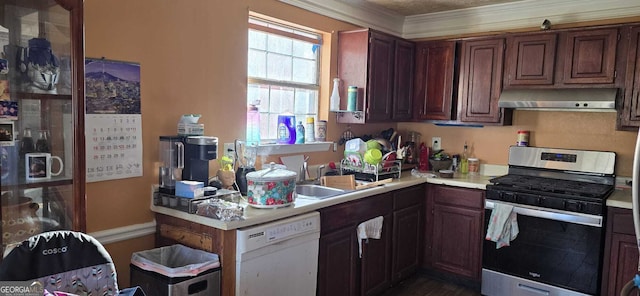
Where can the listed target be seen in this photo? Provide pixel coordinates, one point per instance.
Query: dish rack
(372, 173)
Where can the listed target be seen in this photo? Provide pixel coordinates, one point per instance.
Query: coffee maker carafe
(198, 151)
(171, 162)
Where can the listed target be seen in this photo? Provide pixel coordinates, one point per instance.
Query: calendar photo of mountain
(112, 87)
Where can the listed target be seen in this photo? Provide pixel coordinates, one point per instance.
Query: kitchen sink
(316, 191)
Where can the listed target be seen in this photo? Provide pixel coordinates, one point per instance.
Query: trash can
(176, 270)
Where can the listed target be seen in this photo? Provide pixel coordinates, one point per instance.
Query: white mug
(38, 166)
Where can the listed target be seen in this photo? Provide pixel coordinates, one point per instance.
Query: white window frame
(267, 114)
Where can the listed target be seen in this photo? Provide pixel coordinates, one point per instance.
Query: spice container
(523, 138)
(352, 98)
(474, 166)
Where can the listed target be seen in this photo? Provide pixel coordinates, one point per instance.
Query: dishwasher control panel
(273, 232)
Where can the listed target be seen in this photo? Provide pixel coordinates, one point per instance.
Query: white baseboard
(124, 233)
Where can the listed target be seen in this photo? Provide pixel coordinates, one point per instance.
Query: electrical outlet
(436, 143)
(229, 150)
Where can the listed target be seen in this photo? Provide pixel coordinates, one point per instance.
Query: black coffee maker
(198, 151)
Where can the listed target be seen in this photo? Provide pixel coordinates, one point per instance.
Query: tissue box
(188, 188)
(190, 129)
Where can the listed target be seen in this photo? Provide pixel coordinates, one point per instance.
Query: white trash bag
(175, 261)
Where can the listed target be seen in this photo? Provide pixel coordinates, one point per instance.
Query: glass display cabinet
(41, 118)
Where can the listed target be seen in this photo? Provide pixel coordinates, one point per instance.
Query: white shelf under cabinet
(276, 149)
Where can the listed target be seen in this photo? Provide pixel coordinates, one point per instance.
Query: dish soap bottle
(299, 133)
(464, 160)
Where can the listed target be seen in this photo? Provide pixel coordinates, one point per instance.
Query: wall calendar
(113, 121)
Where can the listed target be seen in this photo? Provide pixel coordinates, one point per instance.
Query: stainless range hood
(575, 99)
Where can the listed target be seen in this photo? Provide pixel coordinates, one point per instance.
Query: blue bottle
(286, 129)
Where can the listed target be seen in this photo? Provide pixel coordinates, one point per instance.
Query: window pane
(303, 49)
(278, 67)
(279, 44)
(304, 71)
(281, 100)
(306, 102)
(257, 40)
(258, 92)
(257, 64)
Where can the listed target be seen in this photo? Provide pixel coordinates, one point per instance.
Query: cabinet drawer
(408, 197)
(622, 221)
(453, 196)
(355, 212)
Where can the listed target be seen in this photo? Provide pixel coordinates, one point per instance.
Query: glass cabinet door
(41, 113)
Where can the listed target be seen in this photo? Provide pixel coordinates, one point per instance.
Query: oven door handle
(564, 216)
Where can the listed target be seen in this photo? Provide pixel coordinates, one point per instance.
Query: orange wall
(193, 60)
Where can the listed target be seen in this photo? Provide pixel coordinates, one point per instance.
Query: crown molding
(367, 16)
(491, 18)
(516, 15)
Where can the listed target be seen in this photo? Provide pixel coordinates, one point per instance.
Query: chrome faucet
(302, 175)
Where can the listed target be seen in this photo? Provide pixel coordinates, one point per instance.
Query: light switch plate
(436, 143)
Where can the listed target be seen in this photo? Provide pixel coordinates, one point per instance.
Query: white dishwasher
(278, 258)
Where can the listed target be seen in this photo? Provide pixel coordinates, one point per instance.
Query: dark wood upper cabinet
(403, 81)
(480, 82)
(380, 84)
(433, 95)
(381, 66)
(630, 111)
(590, 56)
(530, 60)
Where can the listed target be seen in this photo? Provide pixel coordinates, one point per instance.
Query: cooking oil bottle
(464, 160)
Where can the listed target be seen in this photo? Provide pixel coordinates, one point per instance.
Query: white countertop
(254, 216)
(621, 198)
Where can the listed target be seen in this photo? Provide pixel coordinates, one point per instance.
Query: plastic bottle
(310, 130)
(299, 133)
(464, 160)
(286, 129)
(334, 102)
(253, 125)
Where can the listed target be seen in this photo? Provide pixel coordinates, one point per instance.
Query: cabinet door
(403, 80)
(433, 94)
(380, 83)
(453, 236)
(631, 111)
(375, 264)
(623, 263)
(590, 56)
(337, 263)
(407, 235)
(43, 137)
(530, 60)
(481, 80)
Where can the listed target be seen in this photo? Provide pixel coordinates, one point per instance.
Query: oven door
(555, 253)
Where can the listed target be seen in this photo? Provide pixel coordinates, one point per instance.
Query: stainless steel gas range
(559, 197)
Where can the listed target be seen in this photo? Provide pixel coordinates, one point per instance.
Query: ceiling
(417, 7)
(417, 19)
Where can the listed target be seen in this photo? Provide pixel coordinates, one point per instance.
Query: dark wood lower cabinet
(453, 235)
(621, 251)
(385, 261)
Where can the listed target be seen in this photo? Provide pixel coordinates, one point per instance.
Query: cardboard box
(188, 188)
(191, 129)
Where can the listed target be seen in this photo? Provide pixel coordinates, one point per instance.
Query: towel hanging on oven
(503, 225)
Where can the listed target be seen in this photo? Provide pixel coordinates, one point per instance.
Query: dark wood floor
(422, 285)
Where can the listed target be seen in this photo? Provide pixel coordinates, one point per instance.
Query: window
(283, 73)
